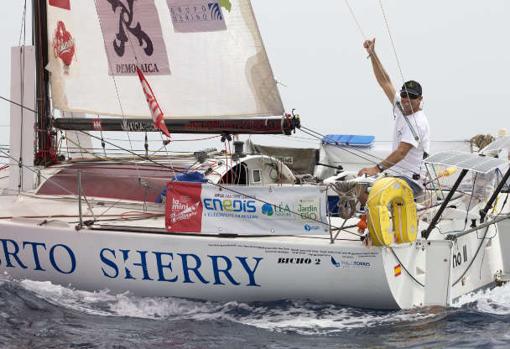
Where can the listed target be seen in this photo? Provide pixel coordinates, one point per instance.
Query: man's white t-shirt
(418, 127)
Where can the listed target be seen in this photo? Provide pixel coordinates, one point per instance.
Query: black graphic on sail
(127, 22)
(132, 34)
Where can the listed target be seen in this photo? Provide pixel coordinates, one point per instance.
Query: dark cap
(411, 87)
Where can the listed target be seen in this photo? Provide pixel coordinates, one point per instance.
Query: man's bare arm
(397, 155)
(393, 159)
(382, 77)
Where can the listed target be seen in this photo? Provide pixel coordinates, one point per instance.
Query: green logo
(226, 4)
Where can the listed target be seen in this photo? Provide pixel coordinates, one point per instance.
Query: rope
(397, 59)
(117, 94)
(391, 40)
(48, 179)
(84, 150)
(220, 186)
(405, 269)
(394, 50)
(473, 259)
(355, 19)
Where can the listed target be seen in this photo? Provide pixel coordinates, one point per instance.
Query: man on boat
(411, 135)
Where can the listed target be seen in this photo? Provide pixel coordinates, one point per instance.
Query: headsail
(205, 58)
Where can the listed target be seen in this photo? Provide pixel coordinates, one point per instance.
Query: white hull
(250, 269)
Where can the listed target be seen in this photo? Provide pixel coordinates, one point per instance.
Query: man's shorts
(415, 187)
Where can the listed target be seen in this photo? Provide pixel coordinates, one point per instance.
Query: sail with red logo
(212, 74)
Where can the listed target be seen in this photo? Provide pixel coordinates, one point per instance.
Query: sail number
(301, 260)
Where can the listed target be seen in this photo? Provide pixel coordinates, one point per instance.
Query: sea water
(43, 315)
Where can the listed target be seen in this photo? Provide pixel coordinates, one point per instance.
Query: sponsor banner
(254, 210)
(63, 4)
(63, 45)
(191, 16)
(132, 33)
(184, 207)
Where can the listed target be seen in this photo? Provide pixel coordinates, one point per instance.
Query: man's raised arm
(380, 74)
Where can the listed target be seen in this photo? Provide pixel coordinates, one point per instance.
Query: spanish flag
(397, 270)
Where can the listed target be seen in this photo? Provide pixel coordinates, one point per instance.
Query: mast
(45, 153)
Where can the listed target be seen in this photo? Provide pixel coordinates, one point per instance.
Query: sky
(457, 49)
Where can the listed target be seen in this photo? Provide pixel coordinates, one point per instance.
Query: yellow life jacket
(394, 191)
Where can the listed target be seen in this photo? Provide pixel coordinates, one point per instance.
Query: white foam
(298, 316)
(106, 304)
(302, 319)
(491, 301)
(83, 301)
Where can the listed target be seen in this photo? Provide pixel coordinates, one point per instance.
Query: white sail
(203, 58)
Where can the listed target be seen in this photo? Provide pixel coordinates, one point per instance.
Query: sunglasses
(404, 94)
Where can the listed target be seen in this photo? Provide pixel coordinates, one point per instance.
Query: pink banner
(132, 29)
(183, 213)
(190, 16)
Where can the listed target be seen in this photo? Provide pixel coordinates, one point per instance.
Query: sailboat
(216, 225)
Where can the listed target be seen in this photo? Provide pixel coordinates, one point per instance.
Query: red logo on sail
(63, 44)
(64, 4)
(157, 114)
(184, 207)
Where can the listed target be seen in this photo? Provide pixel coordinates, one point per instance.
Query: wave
(302, 317)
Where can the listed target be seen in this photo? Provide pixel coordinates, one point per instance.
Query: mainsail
(205, 58)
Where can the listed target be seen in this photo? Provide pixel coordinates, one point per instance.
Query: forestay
(203, 58)
(241, 210)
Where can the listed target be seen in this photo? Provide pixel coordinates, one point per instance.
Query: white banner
(241, 210)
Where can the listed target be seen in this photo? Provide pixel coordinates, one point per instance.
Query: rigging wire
(218, 185)
(382, 69)
(129, 35)
(19, 105)
(102, 140)
(22, 61)
(117, 91)
(393, 45)
(461, 277)
(22, 118)
(35, 171)
(352, 150)
(404, 267)
(391, 40)
(397, 60)
(355, 19)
